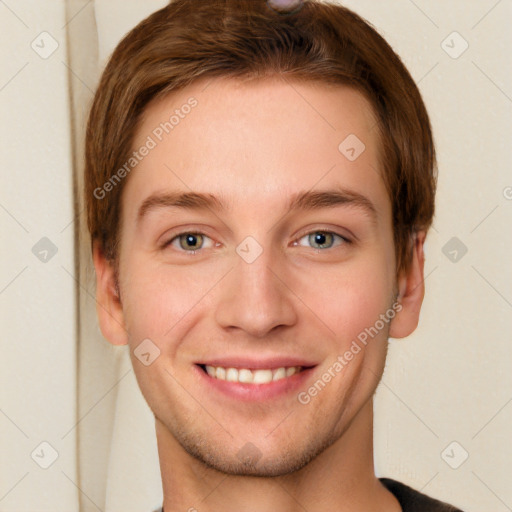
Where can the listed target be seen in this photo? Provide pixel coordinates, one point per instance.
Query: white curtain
(75, 432)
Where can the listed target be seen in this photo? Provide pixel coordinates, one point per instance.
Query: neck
(340, 478)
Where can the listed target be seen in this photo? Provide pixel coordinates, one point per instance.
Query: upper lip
(257, 363)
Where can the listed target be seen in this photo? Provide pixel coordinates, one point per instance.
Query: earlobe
(411, 290)
(108, 303)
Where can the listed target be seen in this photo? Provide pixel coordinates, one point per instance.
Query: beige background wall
(62, 384)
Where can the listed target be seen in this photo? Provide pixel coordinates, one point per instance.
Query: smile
(256, 385)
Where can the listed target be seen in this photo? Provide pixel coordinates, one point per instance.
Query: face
(284, 262)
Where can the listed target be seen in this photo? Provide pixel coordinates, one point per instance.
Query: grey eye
(190, 241)
(322, 238)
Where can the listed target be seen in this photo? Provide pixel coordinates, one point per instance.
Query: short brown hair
(191, 39)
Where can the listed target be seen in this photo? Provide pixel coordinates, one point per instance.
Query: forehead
(257, 141)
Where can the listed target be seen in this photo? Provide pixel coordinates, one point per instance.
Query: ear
(108, 302)
(411, 289)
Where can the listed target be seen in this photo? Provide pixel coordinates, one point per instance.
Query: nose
(257, 298)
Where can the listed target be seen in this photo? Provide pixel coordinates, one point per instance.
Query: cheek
(158, 300)
(348, 299)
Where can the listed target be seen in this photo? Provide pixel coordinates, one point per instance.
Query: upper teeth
(251, 376)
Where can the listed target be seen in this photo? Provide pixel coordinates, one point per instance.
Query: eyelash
(344, 240)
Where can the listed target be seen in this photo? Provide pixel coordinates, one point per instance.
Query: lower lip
(256, 392)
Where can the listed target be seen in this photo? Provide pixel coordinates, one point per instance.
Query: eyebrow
(304, 200)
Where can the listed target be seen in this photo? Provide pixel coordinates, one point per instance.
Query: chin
(251, 459)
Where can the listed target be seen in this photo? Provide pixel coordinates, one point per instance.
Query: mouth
(252, 384)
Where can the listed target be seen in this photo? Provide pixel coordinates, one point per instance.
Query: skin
(256, 143)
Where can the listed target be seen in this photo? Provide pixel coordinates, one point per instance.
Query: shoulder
(414, 501)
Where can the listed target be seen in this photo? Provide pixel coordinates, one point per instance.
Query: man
(259, 183)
